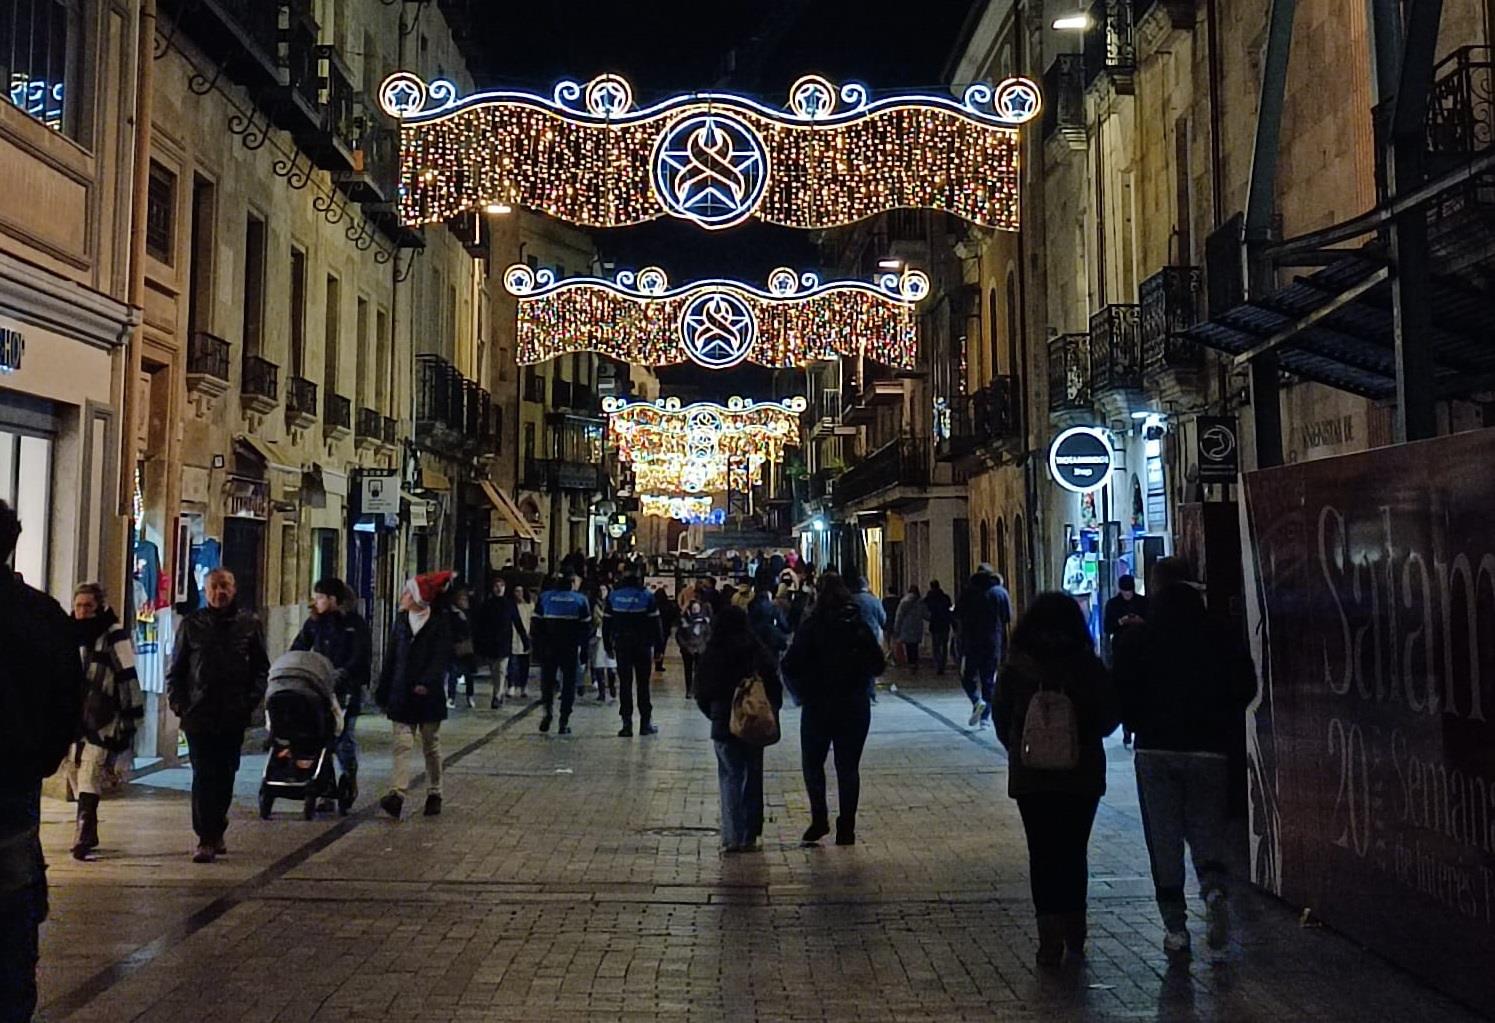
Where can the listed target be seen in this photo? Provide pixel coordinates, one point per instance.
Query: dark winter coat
(722, 667)
(1118, 607)
(112, 704)
(493, 626)
(561, 625)
(217, 675)
(833, 659)
(941, 611)
(41, 684)
(1184, 678)
(981, 617)
(767, 622)
(344, 639)
(415, 659)
(1080, 675)
(631, 622)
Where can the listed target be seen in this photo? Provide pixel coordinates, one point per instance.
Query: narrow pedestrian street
(578, 878)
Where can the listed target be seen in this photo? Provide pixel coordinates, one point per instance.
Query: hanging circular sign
(710, 168)
(718, 329)
(1081, 459)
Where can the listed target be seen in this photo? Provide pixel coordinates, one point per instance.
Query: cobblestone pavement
(578, 878)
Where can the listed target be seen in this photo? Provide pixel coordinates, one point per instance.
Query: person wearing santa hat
(412, 686)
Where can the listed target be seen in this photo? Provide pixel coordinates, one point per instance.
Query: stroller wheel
(267, 804)
(309, 807)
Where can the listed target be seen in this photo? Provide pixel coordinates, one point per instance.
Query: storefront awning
(269, 452)
(1336, 327)
(506, 507)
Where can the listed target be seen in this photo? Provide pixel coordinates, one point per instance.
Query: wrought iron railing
(369, 424)
(337, 97)
(903, 462)
(830, 404)
(391, 429)
(337, 412)
(301, 397)
(1111, 45)
(560, 393)
(261, 378)
(297, 49)
(1069, 372)
(1461, 106)
(1064, 98)
(207, 355)
(1115, 348)
(988, 415)
(1170, 301)
(435, 379)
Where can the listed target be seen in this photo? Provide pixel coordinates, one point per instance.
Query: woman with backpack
(736, 662)
(691, 636)
(112, 706)
(1054, 707)
(830, 667)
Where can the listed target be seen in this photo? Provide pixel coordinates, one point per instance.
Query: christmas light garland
(691, 510)
(588, 156)
(639, 318)
(702, 447)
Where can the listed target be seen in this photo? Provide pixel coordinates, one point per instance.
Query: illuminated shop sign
(1081, 459)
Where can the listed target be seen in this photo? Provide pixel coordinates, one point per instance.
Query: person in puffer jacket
(112, 706)
(336, 631)
(216, 680)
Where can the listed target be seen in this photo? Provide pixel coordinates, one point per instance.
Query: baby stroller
(304, 718)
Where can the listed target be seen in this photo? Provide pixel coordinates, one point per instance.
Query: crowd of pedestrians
(822, 642)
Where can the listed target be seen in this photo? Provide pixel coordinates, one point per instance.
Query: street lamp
(1077, 22)
(890, 264)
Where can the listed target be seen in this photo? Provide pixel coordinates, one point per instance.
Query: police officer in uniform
(560, 629)
(631, 632)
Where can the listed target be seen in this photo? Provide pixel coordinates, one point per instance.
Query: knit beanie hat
(424, 589)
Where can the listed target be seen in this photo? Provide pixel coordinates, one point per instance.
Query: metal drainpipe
(145, 60)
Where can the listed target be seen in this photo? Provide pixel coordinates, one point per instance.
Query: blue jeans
(739, 775)
(980, 670)
(1183, 798)
(23, 900)
(345, 746)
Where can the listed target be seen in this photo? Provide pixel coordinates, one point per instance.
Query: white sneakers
(1176, 944)
(977, 710)
(1217, 910)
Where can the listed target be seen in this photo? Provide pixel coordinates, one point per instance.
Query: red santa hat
(424, 589)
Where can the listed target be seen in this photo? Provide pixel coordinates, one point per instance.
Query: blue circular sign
(710, 168)
(718, 329)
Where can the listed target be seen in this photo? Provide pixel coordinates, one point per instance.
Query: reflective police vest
(630, 620)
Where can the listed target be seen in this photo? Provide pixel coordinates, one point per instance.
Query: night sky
(758, 48)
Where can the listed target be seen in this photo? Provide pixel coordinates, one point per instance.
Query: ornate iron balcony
(337, 412)
(1064, 99)
(301, 402)
(981, 420)
(259, 389)
(1116, 348)
(1111, 46)
(1170, 301)
(1069, 372)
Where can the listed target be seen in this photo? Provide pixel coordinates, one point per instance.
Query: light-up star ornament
(718, 330)
(711, 169)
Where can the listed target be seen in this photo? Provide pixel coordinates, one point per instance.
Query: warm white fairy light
(796, 320)
(588, 156)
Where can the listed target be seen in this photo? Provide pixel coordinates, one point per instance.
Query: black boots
(433, 805)
(1074, 933)
(846, 831)
(392, 804)
(818, 829)
(1050, 940)
(86, 839)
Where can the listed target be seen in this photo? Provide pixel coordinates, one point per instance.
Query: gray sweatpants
(1183, 797)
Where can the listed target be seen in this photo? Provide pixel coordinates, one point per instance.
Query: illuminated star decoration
(702, 447)
(638, 318)
(588, 156)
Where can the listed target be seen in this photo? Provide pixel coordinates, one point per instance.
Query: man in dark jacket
(981, 619)
(1184, 680)
(941, 617)
(561, 626)
(631, 632)
(41, 716)
(412, 687)
(215, 682)
(669, 617)
(493, 627)
(766, 619)
(336, 631)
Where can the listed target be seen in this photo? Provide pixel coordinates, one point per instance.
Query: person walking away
(908, 625)
(561, 627)
(517, 682)
(1125, 609)
(631, 631)
(602, 664)
(766, 619)
(417, 658)
(692, 635)
(494, 624)
(112, 706)
(981, 619)
(216, 680)
(339, 634)
(41, 717)
(869, 607)
(733, 655)
(1056, 796)
(832, 662)
(1185, 680)
(941, 617)
(464, 654)
(669, 617)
